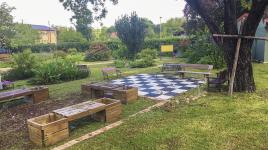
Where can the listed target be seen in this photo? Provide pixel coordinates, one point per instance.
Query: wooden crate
(112, 111)
(40, 94)
(126, 94)
(86, 90)
(48, 129)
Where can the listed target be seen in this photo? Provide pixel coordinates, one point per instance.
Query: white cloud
(42, 11)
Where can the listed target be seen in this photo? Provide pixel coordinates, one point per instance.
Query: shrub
(142, 63)
(23, 65)
(120, 53)
(56, 71)
(72, 51)
(98, 52)
(203, 50)
(148, 52)
(120, 63)
(59, 54)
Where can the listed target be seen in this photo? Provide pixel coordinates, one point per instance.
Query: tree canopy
(24, 34)
(69, 35)
(221, 18)
(131, 31)
(85, 12)
(6, 25)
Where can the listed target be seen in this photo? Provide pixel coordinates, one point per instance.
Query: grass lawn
(215, 121)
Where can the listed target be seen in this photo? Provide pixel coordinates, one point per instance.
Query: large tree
(244, 80)
(24, 34)
(131, 31)
(85, 12)
(6, 25)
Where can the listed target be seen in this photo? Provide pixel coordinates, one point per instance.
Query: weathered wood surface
(80, 110)
(48, 129)
(15, 94)
(37, 94)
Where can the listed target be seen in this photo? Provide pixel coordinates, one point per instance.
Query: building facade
(48, 35)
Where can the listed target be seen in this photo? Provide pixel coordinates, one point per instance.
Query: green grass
(215, 121)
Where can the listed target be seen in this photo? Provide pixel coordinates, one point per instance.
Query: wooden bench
(188, 69)
(126, 94)
(217, 82)
(170, 68)
(106, 72)
(37, 94)
(54, 127)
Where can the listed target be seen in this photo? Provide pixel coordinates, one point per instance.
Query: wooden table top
(81, 110)
(105, 86)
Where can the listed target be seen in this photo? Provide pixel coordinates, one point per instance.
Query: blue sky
(44, 11)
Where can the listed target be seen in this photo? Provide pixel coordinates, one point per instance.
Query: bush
(120, 53)
(120, 63)
(56, 71)
(147, 52)
(142, 63)
(59, 54)
(202, 50)
(72, 51)
(23, 65)
(98, 52)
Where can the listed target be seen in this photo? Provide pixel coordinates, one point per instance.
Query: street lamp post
(160, 28)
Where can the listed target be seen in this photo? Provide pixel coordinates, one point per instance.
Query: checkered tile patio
(159, 87)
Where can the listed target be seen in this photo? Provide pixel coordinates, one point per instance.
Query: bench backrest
(197, 66)
(170, 67)
(109, 70)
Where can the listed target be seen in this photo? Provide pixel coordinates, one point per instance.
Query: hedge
(113, 45)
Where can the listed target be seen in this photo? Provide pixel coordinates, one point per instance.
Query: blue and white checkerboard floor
(160, 87)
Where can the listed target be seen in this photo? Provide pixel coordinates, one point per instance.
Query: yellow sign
(167, 48)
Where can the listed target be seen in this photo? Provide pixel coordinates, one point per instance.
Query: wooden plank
(56, 137)
(35, 135)
(240, 36)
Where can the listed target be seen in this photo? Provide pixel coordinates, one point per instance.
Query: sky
(45, 12)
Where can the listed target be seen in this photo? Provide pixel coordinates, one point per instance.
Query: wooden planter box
(126, 94)
(48, 129)
(40, 94)
(112, 112)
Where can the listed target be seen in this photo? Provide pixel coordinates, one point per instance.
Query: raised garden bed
(112, 111)
(48, 129)
(40, 94)
(126, 94)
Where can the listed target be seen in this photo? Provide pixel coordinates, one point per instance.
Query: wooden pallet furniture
(125, 94)
(36, 94)
(108, 72)
(48, 129)
(217, 82)
(54, 127)
(188, 69)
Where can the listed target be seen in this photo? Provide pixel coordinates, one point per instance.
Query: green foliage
(98, 52)
(56, 71)
(24, 34)
(70, 36)
(120, 52)
(6, 25)
(203, 51)
(23, 65)
(72, 51)
(59, 54)
(131, 31)
(120, 63)
(85, 12)
(148, 52)
(145, 59)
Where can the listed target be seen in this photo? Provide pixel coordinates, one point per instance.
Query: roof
(42, 28)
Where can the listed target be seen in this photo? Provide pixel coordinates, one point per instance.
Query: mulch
(13, 120)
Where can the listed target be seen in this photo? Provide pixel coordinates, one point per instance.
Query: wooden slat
(56, 137)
